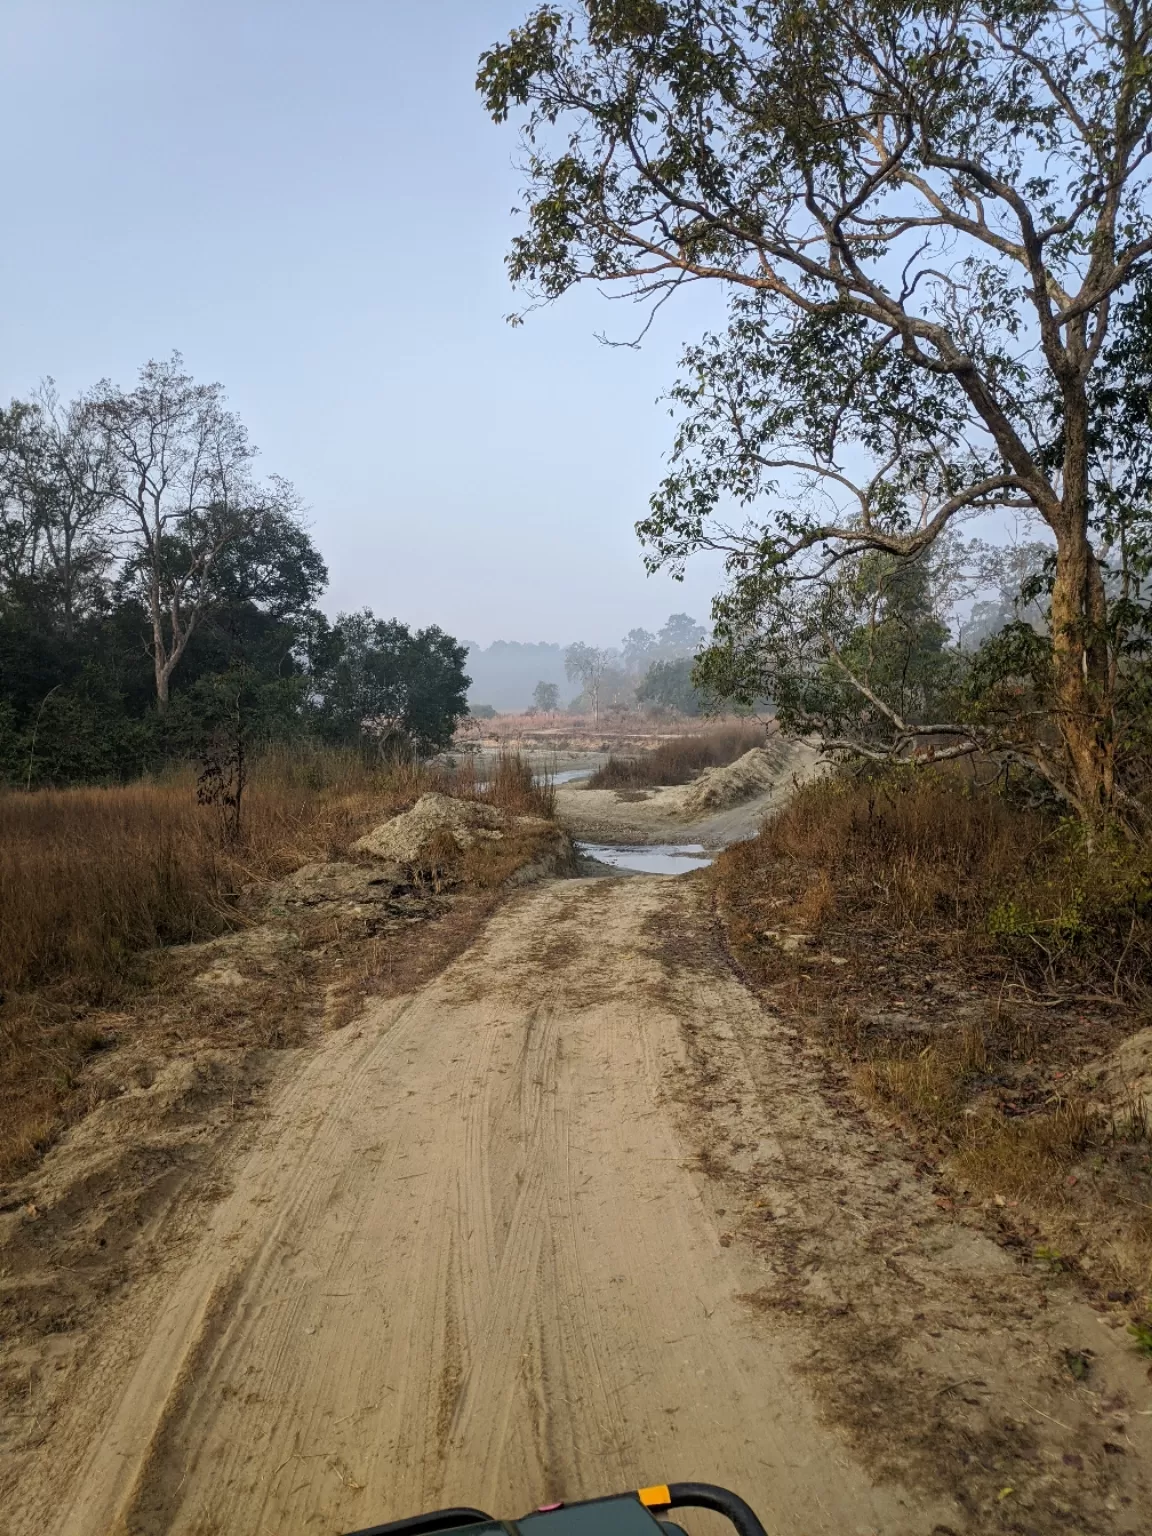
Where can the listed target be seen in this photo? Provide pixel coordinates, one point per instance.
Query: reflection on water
(658, 859)
(553, 778)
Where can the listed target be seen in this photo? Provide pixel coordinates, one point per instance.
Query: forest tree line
(156, 591)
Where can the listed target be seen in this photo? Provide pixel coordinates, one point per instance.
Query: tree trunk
(162, 679)
(1082, 679)
(69, 628)
(166, 656)
(162, 670)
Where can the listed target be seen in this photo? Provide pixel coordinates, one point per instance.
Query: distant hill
(505, 674)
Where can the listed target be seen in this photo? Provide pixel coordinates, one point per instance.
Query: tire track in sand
(468, 1261)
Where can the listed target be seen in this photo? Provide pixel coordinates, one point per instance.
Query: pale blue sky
(307, 200)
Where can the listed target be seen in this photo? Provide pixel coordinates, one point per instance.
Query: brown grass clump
(90, 877)
(966, 960)
(929, 860)
(679, 761)
(94, 881)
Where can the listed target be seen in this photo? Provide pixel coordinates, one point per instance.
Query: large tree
(926, 215)
(668, 685)
(184, 488)
(78, 685)
(588, 665)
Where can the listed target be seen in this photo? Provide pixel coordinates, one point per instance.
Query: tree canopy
(931, 221)
(404, 689)
(157, 597)
(668, 685)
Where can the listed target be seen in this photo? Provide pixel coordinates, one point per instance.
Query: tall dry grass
(929, 858)
(91, 880)
(91, 877)
(507, 780)
(680, 759)
(985, 953)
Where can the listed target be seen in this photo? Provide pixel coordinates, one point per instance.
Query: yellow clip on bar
(656, 1497)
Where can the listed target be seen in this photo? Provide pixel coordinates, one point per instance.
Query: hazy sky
(307, 200)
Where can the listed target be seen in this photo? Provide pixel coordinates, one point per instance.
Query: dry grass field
(94, 883)
(972, 965)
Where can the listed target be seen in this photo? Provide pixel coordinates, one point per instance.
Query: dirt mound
(753, 774)
(403, 839)
(454, 842)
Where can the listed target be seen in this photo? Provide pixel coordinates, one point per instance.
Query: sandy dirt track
(601, 815)
(469, 1258)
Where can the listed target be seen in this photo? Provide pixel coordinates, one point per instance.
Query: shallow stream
(654, 859)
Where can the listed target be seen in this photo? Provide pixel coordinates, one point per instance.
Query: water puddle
(553, 778)
(656, 859)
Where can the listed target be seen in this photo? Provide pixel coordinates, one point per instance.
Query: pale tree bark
(184, 494)
(587, 663)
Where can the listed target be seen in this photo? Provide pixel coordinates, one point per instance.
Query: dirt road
(470, 1257)
(578, 1216)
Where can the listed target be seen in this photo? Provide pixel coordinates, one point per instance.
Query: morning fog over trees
(158, 597)
(647, 670)
(932, 224)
